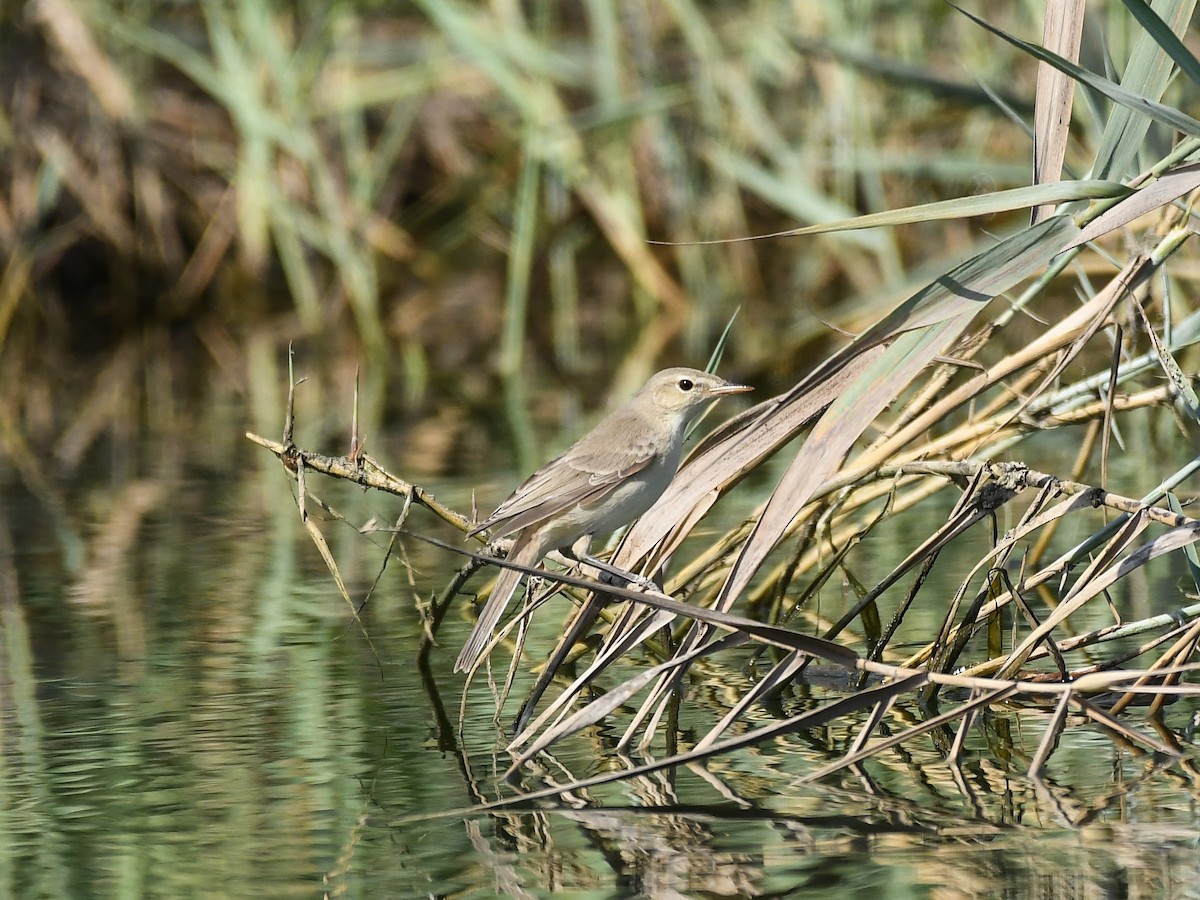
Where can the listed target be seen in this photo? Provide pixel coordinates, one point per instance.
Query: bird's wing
(585, 474)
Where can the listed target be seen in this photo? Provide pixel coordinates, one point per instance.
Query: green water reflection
(196, 714)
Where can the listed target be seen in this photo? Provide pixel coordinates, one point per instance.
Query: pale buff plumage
(604, 481)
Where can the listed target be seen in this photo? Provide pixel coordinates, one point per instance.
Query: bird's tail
(524, 552)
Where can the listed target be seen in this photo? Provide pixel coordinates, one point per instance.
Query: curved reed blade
(946, 306)
(1062, 31)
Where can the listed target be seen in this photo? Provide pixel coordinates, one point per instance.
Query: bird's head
(686, 392)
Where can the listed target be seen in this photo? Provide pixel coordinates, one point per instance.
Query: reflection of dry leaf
(106, 584)
(106, 404)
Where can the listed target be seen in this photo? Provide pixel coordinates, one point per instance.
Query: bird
(605, 480)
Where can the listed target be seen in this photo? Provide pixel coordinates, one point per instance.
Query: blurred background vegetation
(490, 211)
(458, 198)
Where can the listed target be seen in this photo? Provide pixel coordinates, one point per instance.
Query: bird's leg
(615, 575)
(609, 574)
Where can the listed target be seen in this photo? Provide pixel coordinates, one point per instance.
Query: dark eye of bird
(685, 384)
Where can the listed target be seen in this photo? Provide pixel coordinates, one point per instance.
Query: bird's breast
(615, 509)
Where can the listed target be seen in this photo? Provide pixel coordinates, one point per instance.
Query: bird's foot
(613, 575)
(625, 579)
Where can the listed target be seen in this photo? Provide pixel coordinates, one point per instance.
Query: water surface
(191, 709)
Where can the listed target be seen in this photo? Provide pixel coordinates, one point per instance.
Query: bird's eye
(686, 384)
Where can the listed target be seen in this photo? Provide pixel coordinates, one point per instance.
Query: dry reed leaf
(831, 437)
(732, 452)
(1008, 543)
(1133, 276)
(1169, 187)
(1100, 575)
(629, 635)
(946, 306)
(921, 329)
(594, 712)
(1145, 78)
(1062, 31)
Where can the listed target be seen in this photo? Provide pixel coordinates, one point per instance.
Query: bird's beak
(730, 389)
